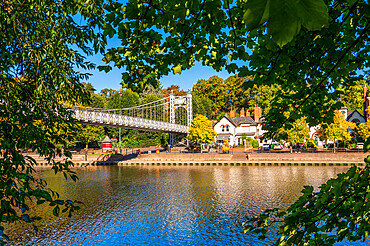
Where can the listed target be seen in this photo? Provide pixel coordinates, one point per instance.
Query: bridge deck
(91, 117)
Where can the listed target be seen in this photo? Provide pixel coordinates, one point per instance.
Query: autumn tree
(106, 93)
(363, 130)
(298, 133)
(175, 89)
(201, 130)
(339, 130)
(353, 97)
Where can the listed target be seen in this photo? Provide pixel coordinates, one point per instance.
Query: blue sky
(186, 80)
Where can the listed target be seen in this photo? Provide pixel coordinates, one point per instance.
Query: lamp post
(120, 113)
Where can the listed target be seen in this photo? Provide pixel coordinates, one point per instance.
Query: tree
(363, 130)
(37, 73)
(88, 134)
(339, 210)
(297, 134)
(223, 94)
(124, 99)
(201, 130)
(106, 93)
(158, 92)
(97, 101)
(264, 95)
(202, 105)
(215, 89)
(338, 130)
(353, 97)
(175, 35)
(175, 89)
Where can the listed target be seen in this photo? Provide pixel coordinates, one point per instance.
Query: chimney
(248, 113)
(232, 113)
(257, 113)
(365, 92)
(226, 114)
(343, 111)
(366, 103)
(242, 112)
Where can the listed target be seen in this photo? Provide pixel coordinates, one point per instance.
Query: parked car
(298, 146)
(277, 146)
(329, 146)
(265, 146)
(360, 146)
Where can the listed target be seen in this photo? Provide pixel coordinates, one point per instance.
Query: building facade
(233, 128)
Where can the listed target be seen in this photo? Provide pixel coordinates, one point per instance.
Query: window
(357, 121)
(223, 128)
(227, 128)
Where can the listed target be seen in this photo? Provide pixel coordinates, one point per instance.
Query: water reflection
(167, 205)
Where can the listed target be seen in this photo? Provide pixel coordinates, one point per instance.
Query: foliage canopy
(37, 73)
(201, 130)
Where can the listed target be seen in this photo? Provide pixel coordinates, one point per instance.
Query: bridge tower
(177, 102)
(172, 116)
(189, 107)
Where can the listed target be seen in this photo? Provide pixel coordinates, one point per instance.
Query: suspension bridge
(172, 114)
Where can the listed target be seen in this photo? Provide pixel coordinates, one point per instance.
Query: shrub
(255, 143)
(310, 143)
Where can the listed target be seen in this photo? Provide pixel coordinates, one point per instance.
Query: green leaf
(56, 211)
(313, 13)
(367, 145)
(40, 202)
(256, 12)
(283, 24)
(105, 68)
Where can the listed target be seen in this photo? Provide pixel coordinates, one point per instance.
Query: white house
(233, 128)
(354, 116)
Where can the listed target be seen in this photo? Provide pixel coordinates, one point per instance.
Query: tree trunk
(334, 146)
(87, 145)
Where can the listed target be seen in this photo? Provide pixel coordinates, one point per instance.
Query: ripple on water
(167, 205)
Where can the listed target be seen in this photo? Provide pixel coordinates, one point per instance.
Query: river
(166, 205)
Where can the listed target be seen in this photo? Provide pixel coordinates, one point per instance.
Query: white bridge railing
(91, 117)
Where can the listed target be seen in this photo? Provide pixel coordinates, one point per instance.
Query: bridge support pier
(172, 139)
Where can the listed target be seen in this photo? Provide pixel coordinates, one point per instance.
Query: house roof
(350, 114)
(237, 121)
(106, 140)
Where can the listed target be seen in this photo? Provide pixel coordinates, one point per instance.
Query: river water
(166, 205)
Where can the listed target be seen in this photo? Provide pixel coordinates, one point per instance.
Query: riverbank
(213, 159)
(248, 159)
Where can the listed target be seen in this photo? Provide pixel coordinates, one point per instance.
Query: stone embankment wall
(330, 157)
(244, 159)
